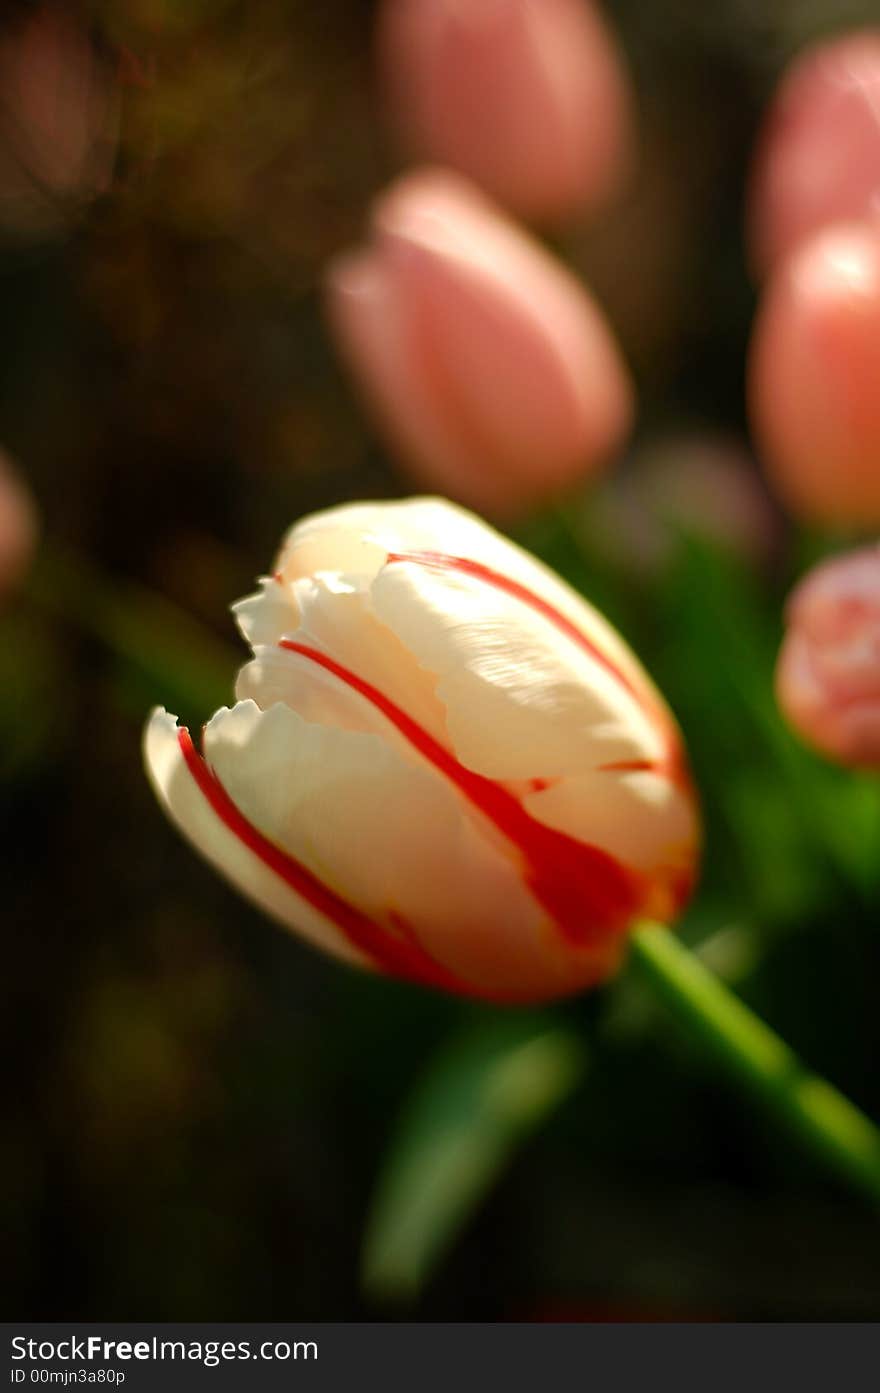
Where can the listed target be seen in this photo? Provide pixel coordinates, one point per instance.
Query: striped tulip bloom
(442, 763)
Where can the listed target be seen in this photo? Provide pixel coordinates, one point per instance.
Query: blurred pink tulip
(828, 676)
(819, 157)
(814, 370)
(18, 527)
(694, 484)
(489, 366)
(58, 118)
(528, 97)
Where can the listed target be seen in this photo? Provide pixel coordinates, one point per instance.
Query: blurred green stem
(756, 1057)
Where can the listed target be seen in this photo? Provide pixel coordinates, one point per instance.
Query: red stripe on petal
(440, 561)
(673, 763)
(586, 892)
(397, 957)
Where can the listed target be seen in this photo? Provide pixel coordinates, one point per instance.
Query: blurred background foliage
(204, 1119)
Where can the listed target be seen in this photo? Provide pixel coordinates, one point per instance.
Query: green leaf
(475, 1103)
(163, 654)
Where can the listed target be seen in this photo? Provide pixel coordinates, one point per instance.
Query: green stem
(756, 1057)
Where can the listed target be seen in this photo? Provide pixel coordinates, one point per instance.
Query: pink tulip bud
(828, 676)
(442, 763)
(815, 366)
(527, 97)
(819, 157)
(18, 527)
(490, 369)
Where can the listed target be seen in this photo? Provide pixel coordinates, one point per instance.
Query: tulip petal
(284, 674)
(187, 807)
(521, 353)
(828, 671)
(377, 331)
(268, 614)
(488, 365)
(640, 816)
(358, 538)
(522, 699)
(280, 675)
(813, 372)
(528, 99)
(818, 160)
(335, 618)
(398, 843)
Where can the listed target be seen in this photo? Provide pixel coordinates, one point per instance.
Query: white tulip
(442, 762)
